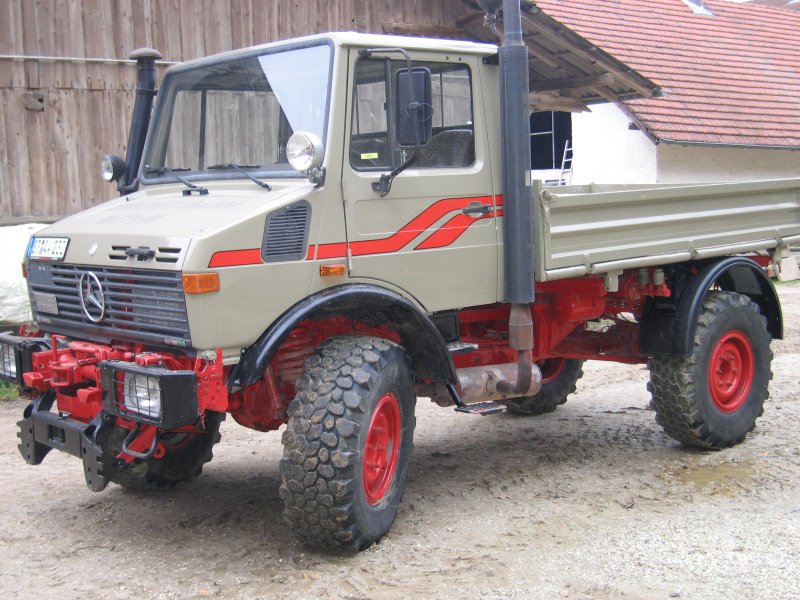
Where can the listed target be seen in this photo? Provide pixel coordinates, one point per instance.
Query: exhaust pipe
(517, 202)
(142, 108)
(486, 384)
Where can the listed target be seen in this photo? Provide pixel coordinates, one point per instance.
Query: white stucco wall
(606, 151)
(677, 163)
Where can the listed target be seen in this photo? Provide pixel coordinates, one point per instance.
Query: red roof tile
(732, 78)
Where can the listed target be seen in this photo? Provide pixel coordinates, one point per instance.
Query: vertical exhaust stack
(142, 108)
(514, 123)
(517, 203)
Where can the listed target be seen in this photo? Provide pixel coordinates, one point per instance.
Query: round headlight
(112, 168)
(304, 151)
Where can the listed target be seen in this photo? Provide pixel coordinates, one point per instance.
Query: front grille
(140, 305)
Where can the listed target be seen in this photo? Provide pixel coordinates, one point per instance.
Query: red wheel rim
(551, 368)
(730, 371)
(382, 449)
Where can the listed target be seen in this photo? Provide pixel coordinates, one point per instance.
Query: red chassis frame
(562, 312)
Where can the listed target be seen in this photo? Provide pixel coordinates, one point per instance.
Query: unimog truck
(314, 233)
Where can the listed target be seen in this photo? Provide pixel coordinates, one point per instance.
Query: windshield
(239, 111)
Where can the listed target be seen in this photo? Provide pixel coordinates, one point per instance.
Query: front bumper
(41, 430)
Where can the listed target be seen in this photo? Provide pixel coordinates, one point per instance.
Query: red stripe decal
(442, 237)
(397, 241)
(450, 232)
(325, 251)
(236, 258)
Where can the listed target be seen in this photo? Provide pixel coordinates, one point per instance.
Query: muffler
(490, 383)
(485, 384)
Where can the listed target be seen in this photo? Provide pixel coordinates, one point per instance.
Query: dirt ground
(591, 501)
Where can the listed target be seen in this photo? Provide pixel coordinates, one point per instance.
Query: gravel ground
(591, 501)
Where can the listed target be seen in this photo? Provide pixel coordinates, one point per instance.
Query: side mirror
(413, 108)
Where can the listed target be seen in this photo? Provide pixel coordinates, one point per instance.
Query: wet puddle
(726, 479)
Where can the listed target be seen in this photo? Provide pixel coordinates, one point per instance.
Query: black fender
(668, 325)
(430, 357)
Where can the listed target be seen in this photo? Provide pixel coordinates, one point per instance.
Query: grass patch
(8, 391)
(795, 283)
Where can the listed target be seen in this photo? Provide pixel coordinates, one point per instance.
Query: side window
(372, 144)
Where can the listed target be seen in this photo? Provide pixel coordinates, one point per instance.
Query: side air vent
(286, 233)
(118, 253)
(168, 255)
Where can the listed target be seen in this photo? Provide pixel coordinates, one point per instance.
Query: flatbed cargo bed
(605, 228)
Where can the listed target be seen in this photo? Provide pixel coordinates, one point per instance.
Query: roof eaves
(636, 121)
(727, 145)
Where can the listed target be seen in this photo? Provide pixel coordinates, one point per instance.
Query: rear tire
(559, 378)
(348, 443)
(184, 457)
(712, 398)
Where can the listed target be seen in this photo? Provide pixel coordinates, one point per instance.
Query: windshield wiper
(192, 187)
(241, 169)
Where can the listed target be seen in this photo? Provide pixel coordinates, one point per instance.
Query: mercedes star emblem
(93, 300)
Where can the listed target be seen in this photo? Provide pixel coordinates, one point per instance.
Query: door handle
(477, 209)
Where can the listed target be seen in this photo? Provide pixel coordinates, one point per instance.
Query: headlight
(304, 151)
(8, 362)
(16, 355)
(153, 395)
(112, 168)
(142, 395)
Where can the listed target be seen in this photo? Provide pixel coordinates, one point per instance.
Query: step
(461, 347)
(482, 408)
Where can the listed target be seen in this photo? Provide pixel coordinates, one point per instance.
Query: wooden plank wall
(49, 158)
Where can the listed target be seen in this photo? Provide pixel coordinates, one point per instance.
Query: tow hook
(134, 438)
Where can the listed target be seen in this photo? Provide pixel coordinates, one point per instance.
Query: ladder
(566, 165)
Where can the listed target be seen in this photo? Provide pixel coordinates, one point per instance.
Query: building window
(550, 133)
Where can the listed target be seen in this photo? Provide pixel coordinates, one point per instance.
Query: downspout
(517, 204)
(142, 108)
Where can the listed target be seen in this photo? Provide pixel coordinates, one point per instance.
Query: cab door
(434, 234)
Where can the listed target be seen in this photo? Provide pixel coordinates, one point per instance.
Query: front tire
(348, 443)
(184, 457)
(712, 398)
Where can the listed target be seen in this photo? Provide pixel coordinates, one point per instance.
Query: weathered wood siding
(49, 157)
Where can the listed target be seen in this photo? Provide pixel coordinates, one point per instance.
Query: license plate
(45, 303)
(47, 248)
